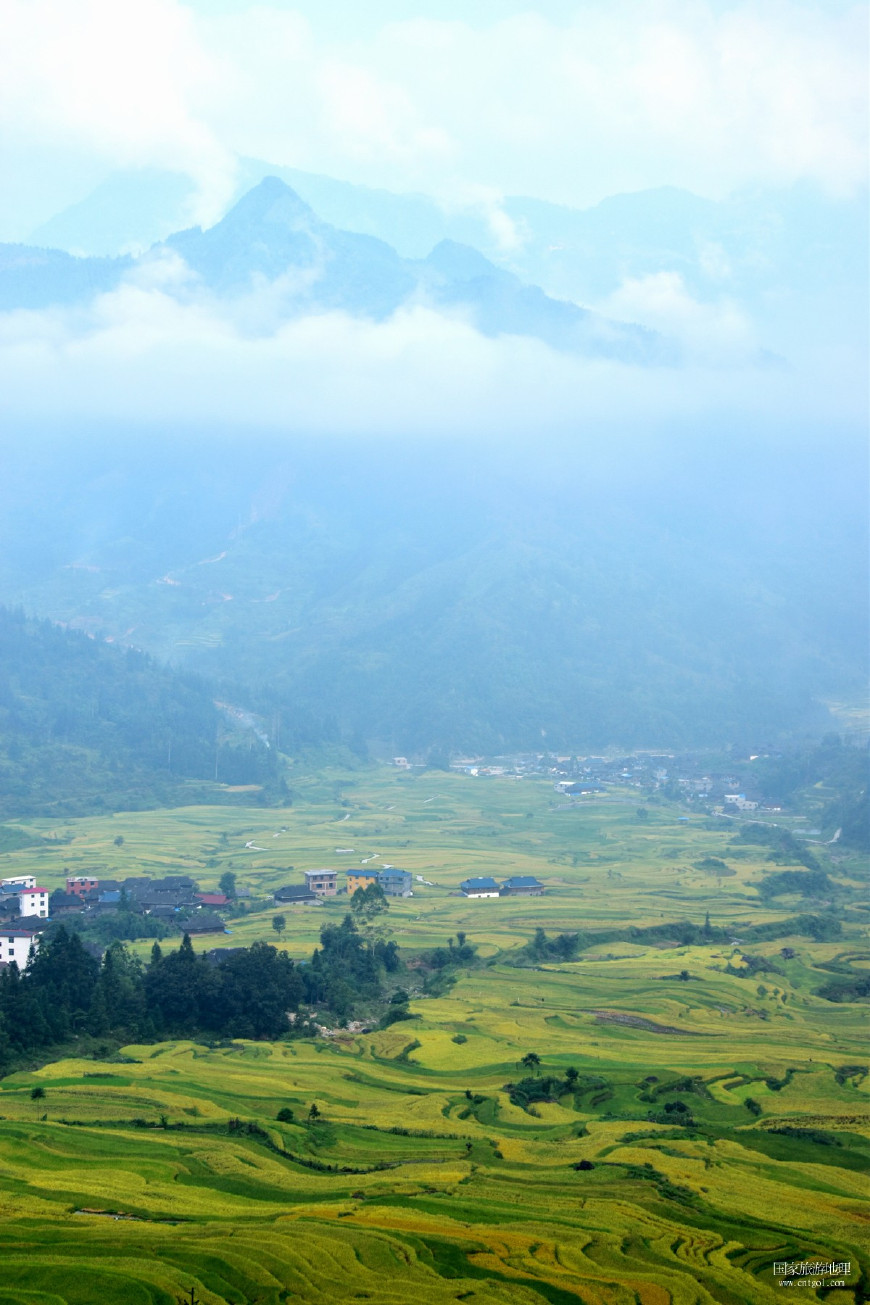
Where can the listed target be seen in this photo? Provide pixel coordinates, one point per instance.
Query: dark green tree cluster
(345, 970)
(241, 993)
(785, 848)
(369, 902)
(537, 1087)
(459, 952)
(66, 992)
(561, 948)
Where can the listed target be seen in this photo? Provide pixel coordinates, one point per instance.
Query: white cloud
(158, 353)
(632, 94)
(717, 333)
(125, 83)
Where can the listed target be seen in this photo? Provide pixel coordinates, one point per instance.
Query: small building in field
(15, 945)
(295, 895)
(360, 879)
(34, 901)
(484, 887)
(79, 885)
(395, 883)
(322, 882)
(522, 886)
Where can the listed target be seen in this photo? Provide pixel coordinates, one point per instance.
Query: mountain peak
(271, 200)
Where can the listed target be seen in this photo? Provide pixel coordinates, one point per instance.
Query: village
(177, 903)
(685, 778)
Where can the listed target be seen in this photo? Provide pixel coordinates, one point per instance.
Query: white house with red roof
(33, 901)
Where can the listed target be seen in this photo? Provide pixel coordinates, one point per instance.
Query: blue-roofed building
(395, 883)
(522, 886)
(480, 888)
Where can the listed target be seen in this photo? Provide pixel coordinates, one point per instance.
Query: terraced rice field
(421, 1181)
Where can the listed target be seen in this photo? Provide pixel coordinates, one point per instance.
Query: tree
(313, 1113)
(119, 841)
(227, 884)
(369, 901)
(279, 924)
(531, 1060)
(571, 1076)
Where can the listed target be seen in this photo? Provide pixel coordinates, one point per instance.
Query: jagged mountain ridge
(272, 238)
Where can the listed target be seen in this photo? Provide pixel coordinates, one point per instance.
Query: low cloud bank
(157, 351)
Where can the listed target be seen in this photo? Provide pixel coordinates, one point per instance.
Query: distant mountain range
(795, 259)
(696, 585)
(273, 238)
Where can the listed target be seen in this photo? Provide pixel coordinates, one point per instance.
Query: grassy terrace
(422, 1180)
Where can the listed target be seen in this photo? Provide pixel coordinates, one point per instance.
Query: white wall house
(15, 945)
(740, 801)
(480, 888)
(19, 881)
(33, 901)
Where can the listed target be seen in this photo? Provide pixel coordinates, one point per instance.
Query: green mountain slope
(88, 727)
(443, 597)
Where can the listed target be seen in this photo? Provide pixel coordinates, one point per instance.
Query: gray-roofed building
(395, 883)
(203, 922)
(61, 903)
(295, 895)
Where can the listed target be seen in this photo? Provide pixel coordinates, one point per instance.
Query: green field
(422, 1180)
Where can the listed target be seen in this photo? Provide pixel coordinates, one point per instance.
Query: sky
(564, 100)
(557, 99)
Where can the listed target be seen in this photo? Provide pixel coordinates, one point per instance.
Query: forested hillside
(87, 726)
(430, 596)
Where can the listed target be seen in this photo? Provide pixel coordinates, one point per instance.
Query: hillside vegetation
(87, 726)
(583, 598)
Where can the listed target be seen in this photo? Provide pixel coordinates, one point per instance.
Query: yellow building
(360, 879)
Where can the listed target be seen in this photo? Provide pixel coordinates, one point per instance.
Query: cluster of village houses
(395, 883)
(586, 776)
(26, 908)
(324, 883)
(517, 886)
